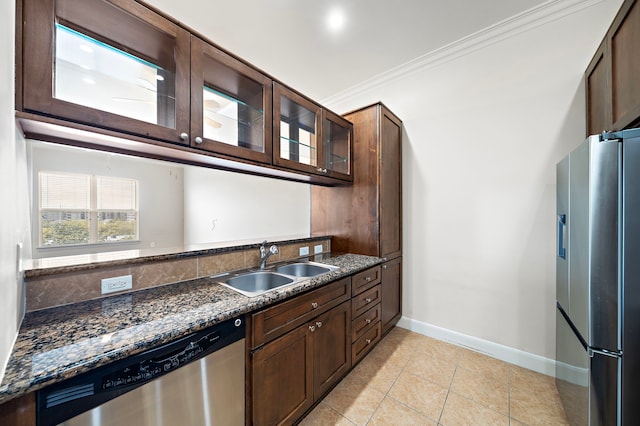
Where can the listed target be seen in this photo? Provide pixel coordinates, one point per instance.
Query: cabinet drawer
(283, 317)
(365, 300)
(365, 279)
(365, 343)
(364, 322)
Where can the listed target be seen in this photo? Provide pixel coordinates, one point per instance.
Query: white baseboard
(495, 350)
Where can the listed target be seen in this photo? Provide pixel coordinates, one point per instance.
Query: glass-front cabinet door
(309, 138)
(337, 134)
(230, 105)
(296, 131)
(111, 64)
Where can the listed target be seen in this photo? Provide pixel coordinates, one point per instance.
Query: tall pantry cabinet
(366, 217)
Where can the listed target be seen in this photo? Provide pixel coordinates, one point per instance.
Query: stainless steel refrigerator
(598, 280)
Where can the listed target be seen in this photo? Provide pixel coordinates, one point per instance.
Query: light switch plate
(317, 249)
(111, 285)
(304, 251)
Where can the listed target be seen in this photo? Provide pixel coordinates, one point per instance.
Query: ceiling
(292, 41)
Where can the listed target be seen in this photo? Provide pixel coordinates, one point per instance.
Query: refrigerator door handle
(591, 352)
(562, 226)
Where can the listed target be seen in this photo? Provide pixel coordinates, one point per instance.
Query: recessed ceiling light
(86, 48)
(336, 19)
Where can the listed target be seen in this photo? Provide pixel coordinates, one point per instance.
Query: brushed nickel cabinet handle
(198, 140)
(368, 321)
(312, 328)
(384, 266)
(368, 341)
(368, 300)
(184, 136)
(368, 278)
(314, 305)
(319, 324)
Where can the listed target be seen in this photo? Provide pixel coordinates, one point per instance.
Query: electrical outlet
(111, 285)
(317, 249)
(304, 251)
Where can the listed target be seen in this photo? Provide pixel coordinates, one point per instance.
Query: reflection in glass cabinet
(91, 73)
(297, 133)
(231, 121)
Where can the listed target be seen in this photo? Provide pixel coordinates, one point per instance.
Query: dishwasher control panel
(147, 369)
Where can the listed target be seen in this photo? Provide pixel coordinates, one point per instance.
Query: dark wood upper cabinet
(625, 65)
(141, 83)
(230, 105)
(366, 217)
(308, 138)
(111, 64)
(611, 79)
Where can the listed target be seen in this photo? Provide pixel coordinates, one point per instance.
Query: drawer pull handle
(314, 305)
(368, 300)
(368, 320)
(368, 341)
(384, 266)
(312, 328)
(319, 324)
(368, 279)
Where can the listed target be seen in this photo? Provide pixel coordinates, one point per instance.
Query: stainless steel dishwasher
(196, 380)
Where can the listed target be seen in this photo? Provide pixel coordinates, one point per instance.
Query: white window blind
(116, 193)
(65, 191)
(86, 209)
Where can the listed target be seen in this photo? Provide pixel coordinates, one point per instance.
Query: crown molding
(540, 15)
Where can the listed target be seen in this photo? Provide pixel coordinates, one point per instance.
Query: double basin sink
(256, 282)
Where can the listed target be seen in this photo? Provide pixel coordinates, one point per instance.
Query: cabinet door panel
(283, 378)
(625, 66)
(231, 105)
(390, 186)
(337, 135)
(391, 298)
(115, 65)
(598, 93)
(332, 348)
(296, 132)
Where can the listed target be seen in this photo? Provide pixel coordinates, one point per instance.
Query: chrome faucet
(264, 254)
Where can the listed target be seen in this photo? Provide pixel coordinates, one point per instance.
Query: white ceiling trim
(525, 21)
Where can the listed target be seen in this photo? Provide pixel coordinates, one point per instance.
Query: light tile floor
(410, 379)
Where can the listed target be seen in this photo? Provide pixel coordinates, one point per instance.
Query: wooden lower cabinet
(391, 289)
(290, 373)
(331, 348)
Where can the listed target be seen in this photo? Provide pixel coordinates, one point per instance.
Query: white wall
(483, 134)
(222, 206)
(14, 224)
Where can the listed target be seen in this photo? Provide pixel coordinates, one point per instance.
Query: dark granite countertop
(58, 343)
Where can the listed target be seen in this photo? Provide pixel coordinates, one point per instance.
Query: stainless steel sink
(253, 283)
(303, 269)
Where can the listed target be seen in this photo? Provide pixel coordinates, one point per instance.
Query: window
(86, 209)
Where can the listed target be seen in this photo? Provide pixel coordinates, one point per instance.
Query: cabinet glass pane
(234, 122)
(337, 147)
(297, 133)
(95, 74)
